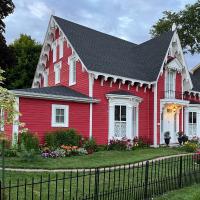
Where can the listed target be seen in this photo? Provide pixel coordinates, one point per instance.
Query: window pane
(190, 117)
(123, 113)
(74, 70)
(62, 119)
(62, 112)
(194, 117)
(57, 112)
(57, 119)
(117, 113)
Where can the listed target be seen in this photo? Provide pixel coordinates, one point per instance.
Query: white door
(120, 123)
(170, 124)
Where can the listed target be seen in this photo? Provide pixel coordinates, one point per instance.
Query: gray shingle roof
(107, 54)
(54, 90)
(196, 80)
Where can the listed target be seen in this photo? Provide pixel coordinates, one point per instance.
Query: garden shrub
(90, 145)
(28, 141)
(27, 154)
(190, 147)
(10, 152)
(119, 145)
(62, 137)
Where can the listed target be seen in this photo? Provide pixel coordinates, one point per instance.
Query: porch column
(129, 121)
(198, 123)
(111, 121)
(186, 116)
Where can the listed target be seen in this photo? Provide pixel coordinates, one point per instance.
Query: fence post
(96, 186)
(146, 180)
(180, 172)
(0, 190)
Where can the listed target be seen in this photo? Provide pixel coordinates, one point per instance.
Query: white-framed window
(192, 121)
(1, 120)
(54, 50)
(120, 121)
(72, 71)
(57, 68)
(61, 47)
(60, 115)
(170, 84)
(45, 76)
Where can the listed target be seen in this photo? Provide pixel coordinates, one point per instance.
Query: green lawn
(98, 159)
(130, 179)
(188, 193)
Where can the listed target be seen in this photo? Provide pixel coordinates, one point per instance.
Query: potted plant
(180, 137)
(184, 138)
(167, 137)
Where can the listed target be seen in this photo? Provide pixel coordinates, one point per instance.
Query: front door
(170, 119)
(120, 124)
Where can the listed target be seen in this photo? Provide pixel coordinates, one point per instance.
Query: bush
(27, 155)
(62, 137)
(120, 145)
(10, 152)
(190, 147)
(90, 145)
(29, 141)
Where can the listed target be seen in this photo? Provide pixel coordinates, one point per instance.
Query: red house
(106, 87)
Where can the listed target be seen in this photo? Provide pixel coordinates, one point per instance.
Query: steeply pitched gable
(107, 54)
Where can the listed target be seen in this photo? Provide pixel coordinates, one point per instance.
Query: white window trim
(66, 116)
(54, 50)
(170, 92)
(61, 47)
(45, 77)
(57, 68)
(192, 108)
(71, 70)
(132, 104)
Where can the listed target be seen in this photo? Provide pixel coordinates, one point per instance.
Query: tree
(6, 8)
(6, 54)
(7, 103)
(27, 52)
(188, 26)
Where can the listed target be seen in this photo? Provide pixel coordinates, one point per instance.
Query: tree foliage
(6, 8)
(27, 52)
(6, 53)
(188, 26)
(7, 103)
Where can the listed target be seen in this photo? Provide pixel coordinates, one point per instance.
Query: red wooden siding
(36, 113)
(101, 113)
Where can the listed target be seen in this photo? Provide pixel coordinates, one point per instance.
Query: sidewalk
(93, 169)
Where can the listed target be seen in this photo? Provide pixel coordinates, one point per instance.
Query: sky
(127, 19)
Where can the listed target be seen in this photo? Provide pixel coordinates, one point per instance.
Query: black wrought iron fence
(134, 181)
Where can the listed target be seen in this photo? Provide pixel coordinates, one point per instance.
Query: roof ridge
(106, 34)
(155, 38)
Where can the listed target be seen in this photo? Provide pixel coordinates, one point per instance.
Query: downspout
(91, 82)
(155, 142)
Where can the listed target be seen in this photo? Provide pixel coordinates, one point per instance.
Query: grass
(191, 193)
(98, 159)
(164, 174)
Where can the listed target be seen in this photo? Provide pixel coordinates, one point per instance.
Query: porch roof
(55, 93)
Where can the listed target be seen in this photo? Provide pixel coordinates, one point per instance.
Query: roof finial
(53, 12)
(174, 27)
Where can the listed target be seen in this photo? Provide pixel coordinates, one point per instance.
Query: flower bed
(63, 151)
